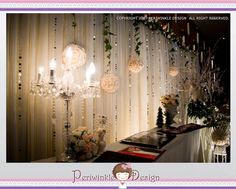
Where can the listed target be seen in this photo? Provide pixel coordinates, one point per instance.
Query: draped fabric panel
(34, 132)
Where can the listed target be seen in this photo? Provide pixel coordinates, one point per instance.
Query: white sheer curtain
(34, 124)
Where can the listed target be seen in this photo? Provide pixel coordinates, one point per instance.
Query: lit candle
(67, 80)
(197, 38)
(188, 28)
(52, 66)
(90, 71)
(40, 73)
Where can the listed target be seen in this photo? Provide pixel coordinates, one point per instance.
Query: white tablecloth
(193, 146)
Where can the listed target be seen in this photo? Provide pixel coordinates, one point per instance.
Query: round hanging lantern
(135, 65)
(110, 83)
(173, 71)
(73, 56)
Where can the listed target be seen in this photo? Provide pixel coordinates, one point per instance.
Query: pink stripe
(161, 180)
(198, 180)
(119, 1)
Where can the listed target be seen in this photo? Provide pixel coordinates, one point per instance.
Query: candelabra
(65, 88)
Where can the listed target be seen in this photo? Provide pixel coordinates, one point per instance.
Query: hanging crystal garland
(116, 104)
(20, 103)
(152, 60)
(130, 81)
(135, 65)
(53, 99)
(147, 70)
(109, 81)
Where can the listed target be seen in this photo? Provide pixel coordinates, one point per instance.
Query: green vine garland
(165, 29)
(107, 38)
(138, 42)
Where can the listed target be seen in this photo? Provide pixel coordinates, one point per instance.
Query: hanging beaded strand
(53, 99)
(152, 56)
(93, 60)
(129, 72)
(20, 103)
(147, 68)
(159, 58)
(116, 69)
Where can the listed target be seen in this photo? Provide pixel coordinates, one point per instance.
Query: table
(194, 146)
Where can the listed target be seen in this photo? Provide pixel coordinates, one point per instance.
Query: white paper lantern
(135, 65)
(73, 56)
(173, 71)
(110, 83)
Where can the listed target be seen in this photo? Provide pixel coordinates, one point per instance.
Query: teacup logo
(122, 172)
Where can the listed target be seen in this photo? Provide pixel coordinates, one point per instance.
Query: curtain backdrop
(35, 124)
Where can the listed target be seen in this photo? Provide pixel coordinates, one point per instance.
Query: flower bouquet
(170, 103)
(84, 145)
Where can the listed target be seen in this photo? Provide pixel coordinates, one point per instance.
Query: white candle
(90, 71)
(40, 73)
(52, 66)
(194, 48)
(214, 77)
(197, 36)
(188, 28)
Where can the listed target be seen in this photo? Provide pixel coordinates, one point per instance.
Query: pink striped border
(198, 180)
(121, 1)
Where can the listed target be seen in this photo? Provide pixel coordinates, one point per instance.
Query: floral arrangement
(170, 100)
(84, 145)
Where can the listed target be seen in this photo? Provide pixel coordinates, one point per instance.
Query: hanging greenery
(107, 37)
(138, 42)
(164, 29)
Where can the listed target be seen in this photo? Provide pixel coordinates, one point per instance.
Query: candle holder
(90, 90)
(66, 89)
